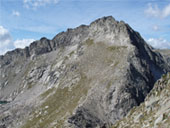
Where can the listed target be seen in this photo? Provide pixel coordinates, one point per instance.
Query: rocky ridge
(77, 79)
(154, 112)
(165, 53)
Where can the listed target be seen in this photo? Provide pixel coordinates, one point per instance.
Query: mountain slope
(89, 76)
(165, 53)
(154, 112)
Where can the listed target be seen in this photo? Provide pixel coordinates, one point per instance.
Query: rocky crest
(154, 112)
(90, 76)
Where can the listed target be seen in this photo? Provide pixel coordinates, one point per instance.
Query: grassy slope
(60, 102)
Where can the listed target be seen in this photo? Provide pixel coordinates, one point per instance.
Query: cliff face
(154, 112)
(90, 76)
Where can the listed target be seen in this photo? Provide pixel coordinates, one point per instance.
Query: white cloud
(155, 28)
(15, 13)
(7, 44)
(154, 11)
(5, 40)
(159, 43)
(22, 43)
(37, 3)
(166, 11)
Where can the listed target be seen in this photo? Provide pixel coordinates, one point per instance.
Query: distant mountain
(165, 53)
(86, 77)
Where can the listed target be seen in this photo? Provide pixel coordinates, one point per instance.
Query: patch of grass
(109, 85)
(89, 42)
(116, 63)
(165, 116)
(46, 93)
(30, 85)
(60, 103)
(112, 48)
(71, 53)
(164, 76)
(66, 58)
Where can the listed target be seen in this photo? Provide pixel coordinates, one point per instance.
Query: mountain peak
(108, 21)
(104, 19)
(105, 29)
(89, 76)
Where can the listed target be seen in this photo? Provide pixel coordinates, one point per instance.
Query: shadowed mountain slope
(154, 112)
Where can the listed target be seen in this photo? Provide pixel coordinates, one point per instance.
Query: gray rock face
(154, 112)
(40, 47)
(90, 76)
(165, 53)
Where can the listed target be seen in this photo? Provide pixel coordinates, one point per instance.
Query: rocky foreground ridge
(154, 112)
(86, 77)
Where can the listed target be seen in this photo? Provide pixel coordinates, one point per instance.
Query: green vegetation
(71, 53)
(109, 85)
(112, 48)
(89, 42)
(146, 116)
(164, 76)
(46, 93)
(165, 116)
(60, 105)
(3, 102)
(30, 85)
(116, 63)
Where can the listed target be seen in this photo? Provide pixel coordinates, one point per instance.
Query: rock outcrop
(90, 76)
(154, 112)
(165, 53)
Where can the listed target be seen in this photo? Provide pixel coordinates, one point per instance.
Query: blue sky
(23, 21)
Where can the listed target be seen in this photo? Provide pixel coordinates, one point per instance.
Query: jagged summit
(66, 38)
(108, 19)
(90, 76)
(106, 28)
